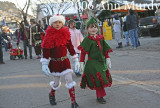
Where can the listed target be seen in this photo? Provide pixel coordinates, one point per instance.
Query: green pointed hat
(71, 20)
(91, 21)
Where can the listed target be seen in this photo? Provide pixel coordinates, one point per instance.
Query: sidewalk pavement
(23, 84)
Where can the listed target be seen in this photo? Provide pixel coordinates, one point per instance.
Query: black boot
(119, 45)
(139, 44)
(101, 100)
(78, 74)
(25, 57)
(74, 105)
(52, 99)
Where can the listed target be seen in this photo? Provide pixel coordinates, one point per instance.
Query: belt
(59, 59)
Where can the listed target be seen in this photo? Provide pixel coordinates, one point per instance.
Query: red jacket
(55, 45)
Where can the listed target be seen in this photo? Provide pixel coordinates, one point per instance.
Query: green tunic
(95, 73)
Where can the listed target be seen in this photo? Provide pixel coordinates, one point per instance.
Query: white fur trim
(57, 18)
(52, 83)
(62, 73)
(70, 85)
(74, 56)
(44, 60)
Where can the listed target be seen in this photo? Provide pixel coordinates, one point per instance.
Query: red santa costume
(55, 45)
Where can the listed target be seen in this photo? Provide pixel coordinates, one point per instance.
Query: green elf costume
(96, 75)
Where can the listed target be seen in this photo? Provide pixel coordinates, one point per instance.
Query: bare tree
(91, 7)
(49, 7)
(24, 11)
(77, 5)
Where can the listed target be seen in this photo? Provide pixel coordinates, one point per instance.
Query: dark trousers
(25, 45)
(1, 53)
(37, 49)
(5, 45)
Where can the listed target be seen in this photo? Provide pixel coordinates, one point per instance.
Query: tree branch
(28, 6)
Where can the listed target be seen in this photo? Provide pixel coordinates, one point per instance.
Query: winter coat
(117, 25)
(76, 38)
(131, 22)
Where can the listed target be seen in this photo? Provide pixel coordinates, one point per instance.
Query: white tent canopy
(67, 8)
(58, 8)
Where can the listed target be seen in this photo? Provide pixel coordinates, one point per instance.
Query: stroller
(17, 52)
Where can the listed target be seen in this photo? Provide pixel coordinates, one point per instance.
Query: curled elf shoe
(101, 100)
(74, 105)
(52, 99)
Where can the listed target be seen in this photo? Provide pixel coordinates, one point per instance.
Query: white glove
(108, 63)
(81, 66)
(76, 64)
(5, 41)
(45, 68)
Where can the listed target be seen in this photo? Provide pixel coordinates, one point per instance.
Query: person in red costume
(55, 61)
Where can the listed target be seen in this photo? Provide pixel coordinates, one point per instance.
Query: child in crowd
(76, 38)
(55, 61)
(125, 32)
(96, 74)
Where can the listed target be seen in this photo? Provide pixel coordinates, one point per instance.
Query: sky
(21, 3)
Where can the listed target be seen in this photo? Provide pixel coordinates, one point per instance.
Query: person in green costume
(96, 75)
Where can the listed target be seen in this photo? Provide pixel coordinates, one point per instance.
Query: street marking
(22, 76)
(30, 85)
(117, 80)
(18, 86)
(140, 84)
(136, 71)
(113, 71)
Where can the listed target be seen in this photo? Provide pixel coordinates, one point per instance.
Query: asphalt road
(135, 73)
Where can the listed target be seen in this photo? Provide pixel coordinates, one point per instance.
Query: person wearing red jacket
(55, 61)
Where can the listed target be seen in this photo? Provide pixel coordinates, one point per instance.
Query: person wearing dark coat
(5, 40)
(35, 37)
(132, 27)
(1, 51)
(23, 36)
